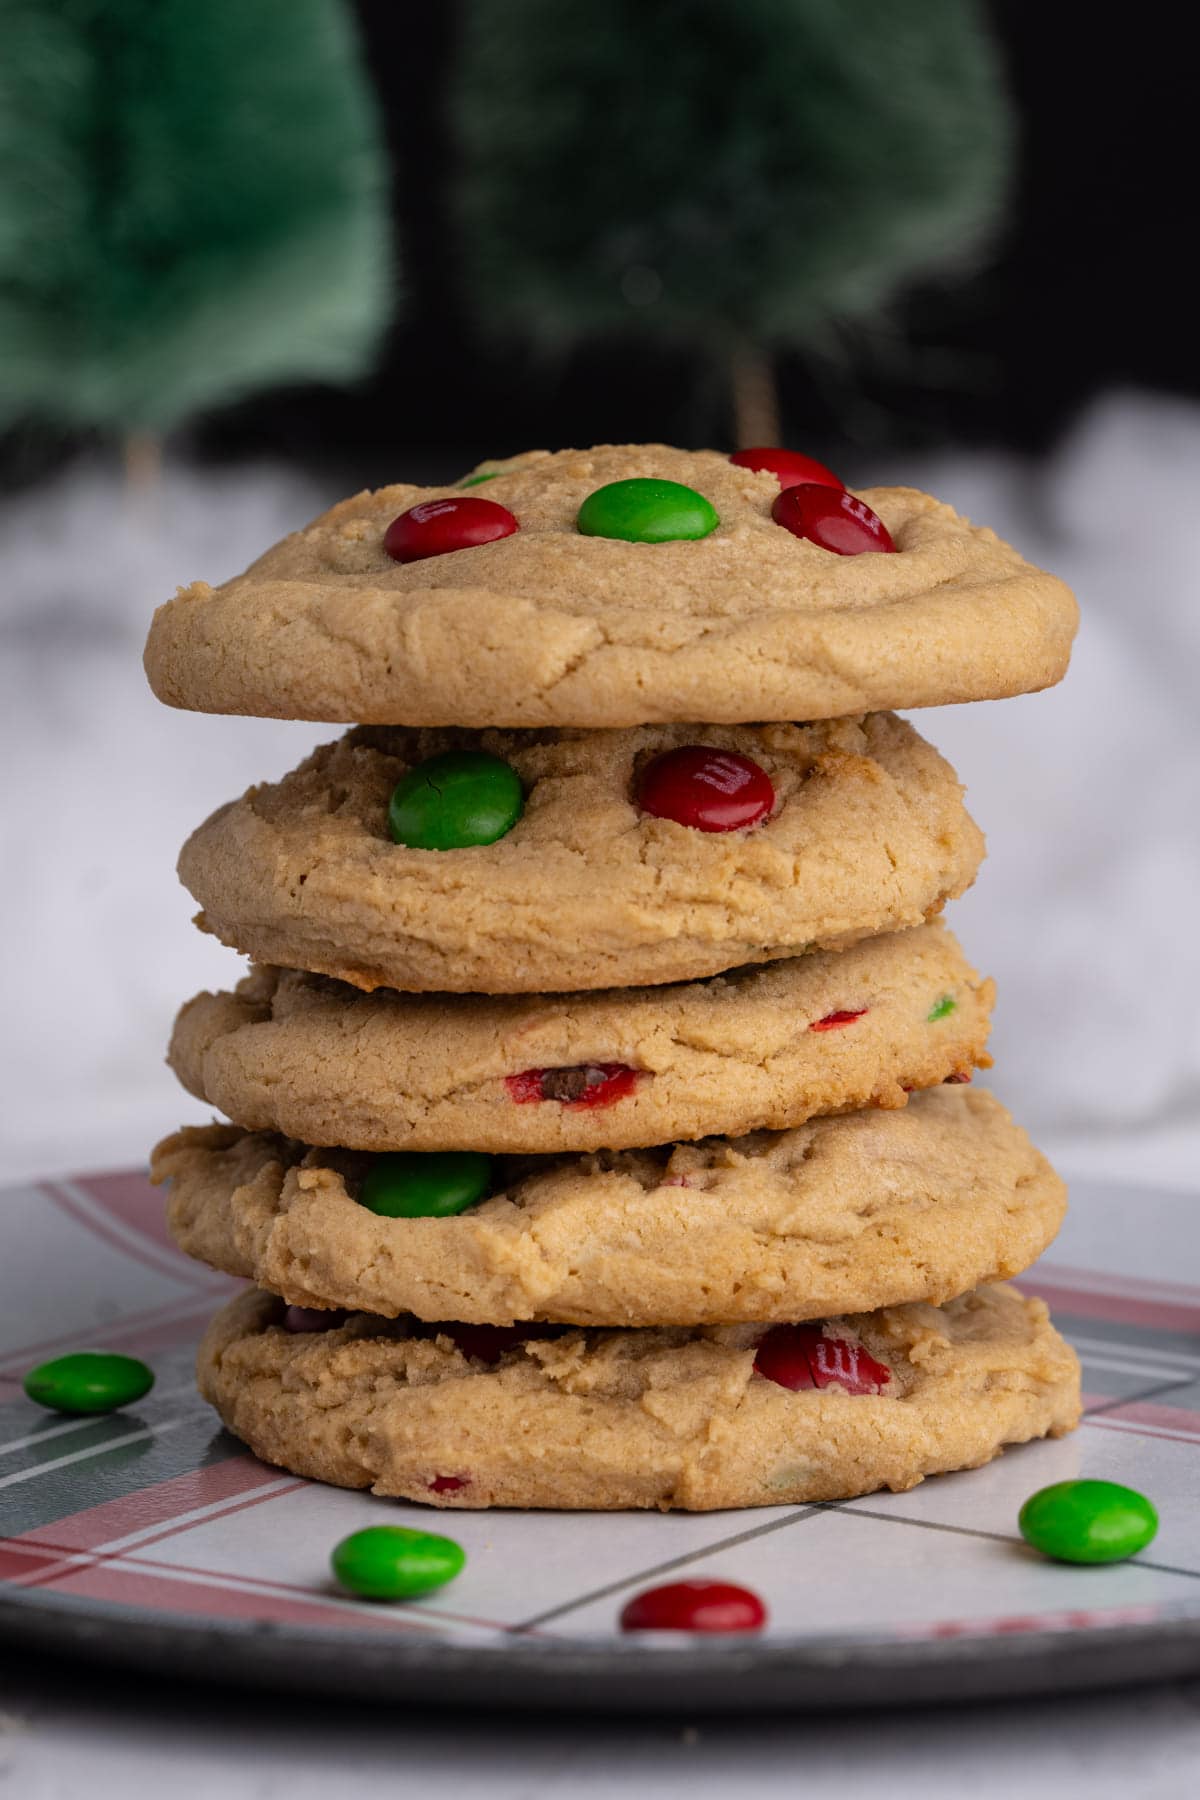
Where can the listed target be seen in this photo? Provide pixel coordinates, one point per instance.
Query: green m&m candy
(1088, 1521)
(89, 1381)
(644, 511)
(941, 1009)
(475, 480)
(452, 801)
(425, 1184)
(390, 1562)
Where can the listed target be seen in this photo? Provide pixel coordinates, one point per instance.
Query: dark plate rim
(716, 1674)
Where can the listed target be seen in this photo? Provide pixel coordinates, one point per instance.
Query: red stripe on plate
(161, 1504)
(128, 1322)
(177, 1268)
(1015, 1624)
(1163, 1418)
(1104, 1281)
(129, 1197)
(1124, 1309)
(182, 1324)
(19, 1561)
(53, 1571)
(128, 1586)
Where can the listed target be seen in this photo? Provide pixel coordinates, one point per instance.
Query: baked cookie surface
(765, 1047)
(661, 1418)
(841, 1214)
(868, 834)
(548, 626)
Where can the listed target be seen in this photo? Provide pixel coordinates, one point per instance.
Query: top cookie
(549, 625)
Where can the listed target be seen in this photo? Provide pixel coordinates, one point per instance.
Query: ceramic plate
(151, 1538)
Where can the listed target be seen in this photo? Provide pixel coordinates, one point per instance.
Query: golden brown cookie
(588, 890)
(841, 1214)
(767, 1046)
(548, 626)
(664, 1418)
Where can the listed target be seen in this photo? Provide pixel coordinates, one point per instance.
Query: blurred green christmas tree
(192, 206)
(742, 175)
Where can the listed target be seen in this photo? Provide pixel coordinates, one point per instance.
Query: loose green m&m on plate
(89, 1381)
(391, 1562)
(645, 511)
(454, 801)
(425, 1184)
(1088, 1521)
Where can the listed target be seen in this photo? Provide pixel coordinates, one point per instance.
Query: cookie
(841, 1214)
(664, 1418)
(865, 833)
(764, 1047)
(548, 625)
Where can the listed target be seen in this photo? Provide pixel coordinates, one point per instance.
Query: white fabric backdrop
(1088, 796)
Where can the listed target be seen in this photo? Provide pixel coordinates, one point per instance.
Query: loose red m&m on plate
(801, 1356)
(644, 511)
(435, 527)
(831, 520)
(790, 467)
(708, 1606)
(1088, 1521)
(706, 788)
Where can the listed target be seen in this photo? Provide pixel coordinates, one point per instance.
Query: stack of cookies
(601, 1130)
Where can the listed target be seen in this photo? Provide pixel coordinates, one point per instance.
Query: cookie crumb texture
(667, 1418)
(550, 626)
(840, 1215)
(869, 834)
(322, 1062)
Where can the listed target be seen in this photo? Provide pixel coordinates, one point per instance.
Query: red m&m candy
(488, 1343)
(709, 789)
(801, 1356)
(789, 467)
(581, 1086)
(436, 526)
(695, 1606)
(835, 1020)
(832, 520)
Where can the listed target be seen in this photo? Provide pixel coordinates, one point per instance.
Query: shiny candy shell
(789, 467)
(833, 521)
(430, 1184)
(89, 1381)
(455, 801)
(701, 1606)
(392, 1562)
(644, 511)
(435, 527)
(1088, 1521)
(706, 788)
(801, 1356)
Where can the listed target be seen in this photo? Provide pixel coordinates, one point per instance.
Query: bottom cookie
(722, 1416)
